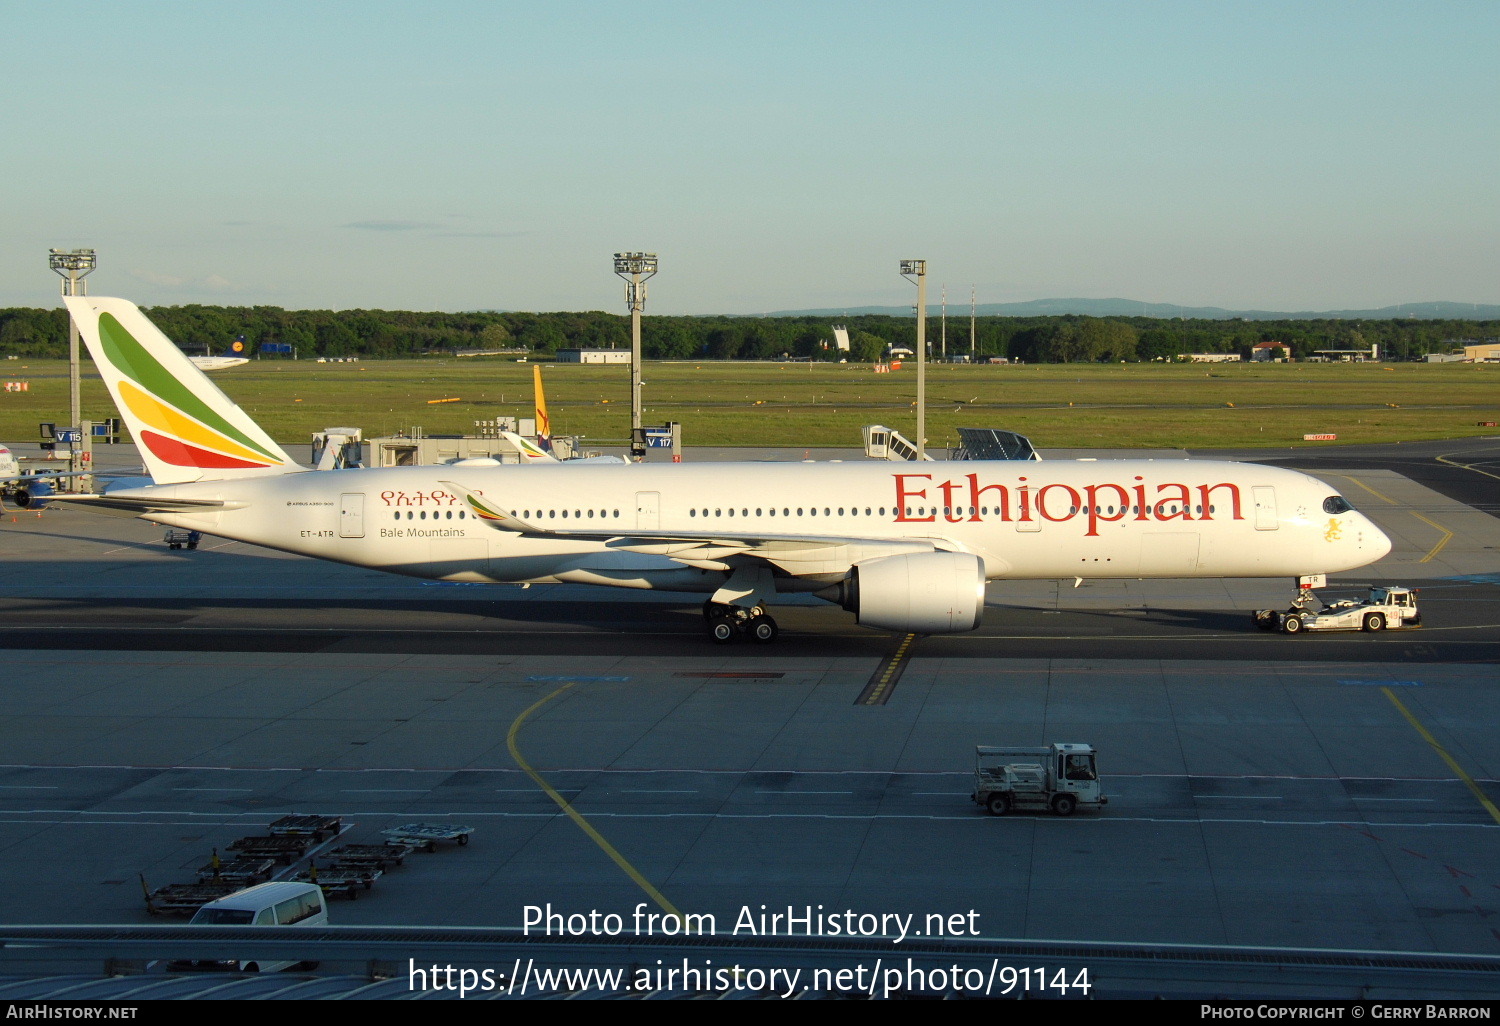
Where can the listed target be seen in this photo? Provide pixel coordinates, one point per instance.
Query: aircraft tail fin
(185, 427)
(543, 421)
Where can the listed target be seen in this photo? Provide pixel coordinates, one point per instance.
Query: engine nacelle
(920, 593)
(31, 495)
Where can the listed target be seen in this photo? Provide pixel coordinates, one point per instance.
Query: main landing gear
(727, 623)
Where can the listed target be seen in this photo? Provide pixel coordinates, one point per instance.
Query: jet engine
(920, 592)
(29, 495)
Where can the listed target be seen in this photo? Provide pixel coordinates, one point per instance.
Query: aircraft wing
(48, 475)
(796, 554)
(141, 505)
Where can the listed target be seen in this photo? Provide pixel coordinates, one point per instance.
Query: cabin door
(648, 511)
(1265, 508)
(352, 515)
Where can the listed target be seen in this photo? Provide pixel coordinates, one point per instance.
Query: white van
(279, 903)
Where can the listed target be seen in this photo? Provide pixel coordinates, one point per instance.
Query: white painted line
(30, 787)
(1395, 799)
(1246, 797)
(213, 789)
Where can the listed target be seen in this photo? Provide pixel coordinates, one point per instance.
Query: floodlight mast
(73, 265)
(917, 270)
(635, 268)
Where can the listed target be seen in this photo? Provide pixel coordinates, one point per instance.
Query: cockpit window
(1337, 504)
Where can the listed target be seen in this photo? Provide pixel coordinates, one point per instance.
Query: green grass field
(1067, 406)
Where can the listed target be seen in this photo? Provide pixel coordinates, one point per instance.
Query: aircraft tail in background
(235, 354)
(185, 427)
(543, 422)
(529, 453)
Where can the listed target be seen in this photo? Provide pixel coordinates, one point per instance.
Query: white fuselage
(1089, 519)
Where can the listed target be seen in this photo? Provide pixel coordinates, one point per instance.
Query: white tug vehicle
(1387, 607)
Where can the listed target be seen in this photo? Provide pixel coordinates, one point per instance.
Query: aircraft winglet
(498, 518)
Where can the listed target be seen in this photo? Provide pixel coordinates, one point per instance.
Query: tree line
(399, 334)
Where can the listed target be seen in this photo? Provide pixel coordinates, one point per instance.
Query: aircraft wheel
(1291, 625)
(999, 804)
(722, 630)
(762, 629)
(1064, 804)
(1374, 622)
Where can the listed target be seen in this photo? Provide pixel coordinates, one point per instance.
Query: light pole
(635, 268)
(73, 265)
(917, 269)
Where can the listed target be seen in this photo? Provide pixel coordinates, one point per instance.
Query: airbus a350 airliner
(905, 547)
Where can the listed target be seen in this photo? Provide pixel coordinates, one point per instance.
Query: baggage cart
(426, 835)
(185, 899)
(345, 880)
(380, 856)
(299, 825)
(242, 871)
(285, 850)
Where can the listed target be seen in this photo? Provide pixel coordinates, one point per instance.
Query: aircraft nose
(1378, 542)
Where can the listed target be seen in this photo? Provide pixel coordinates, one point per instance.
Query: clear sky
(776, 155)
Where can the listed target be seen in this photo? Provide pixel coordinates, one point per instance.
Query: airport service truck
(1384, 607)
(1056, 777)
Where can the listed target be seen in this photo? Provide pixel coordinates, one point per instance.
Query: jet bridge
(336, 448)
(992, 444)
(883, 443)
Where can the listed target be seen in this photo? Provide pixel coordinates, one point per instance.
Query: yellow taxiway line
(1484, 799)
(575, 816)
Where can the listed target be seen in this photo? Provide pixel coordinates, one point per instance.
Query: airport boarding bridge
(339, 448)
(884, 443)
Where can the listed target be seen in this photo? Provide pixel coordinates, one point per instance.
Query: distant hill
(1135, 308)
